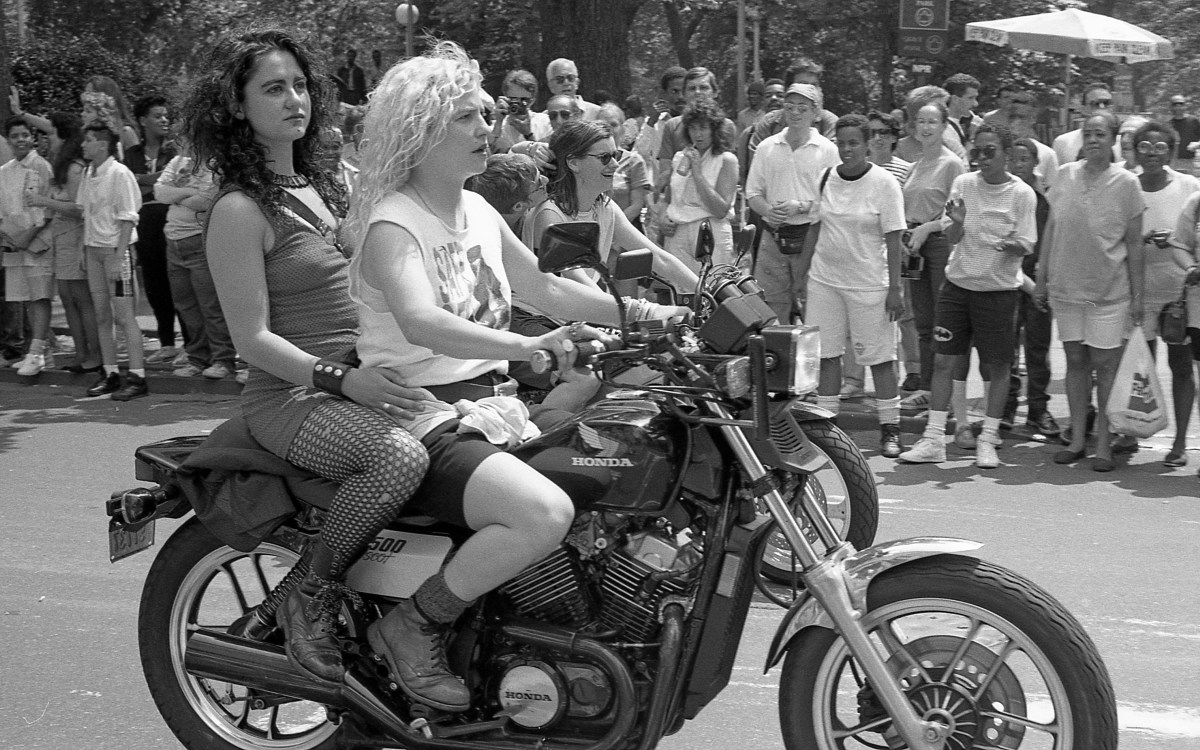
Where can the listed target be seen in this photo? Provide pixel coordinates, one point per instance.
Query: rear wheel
(974, 646)
(198, 582)
(845, 487)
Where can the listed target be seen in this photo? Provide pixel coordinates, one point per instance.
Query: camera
(913, 266)
(518, 107)
(1161, 238)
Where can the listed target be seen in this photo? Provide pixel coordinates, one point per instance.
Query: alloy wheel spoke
(237, 585)
(1009, 648)
(1051, 728)
(967, 640)
(893, 645)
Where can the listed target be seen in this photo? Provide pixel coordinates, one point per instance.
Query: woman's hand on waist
(382, 389)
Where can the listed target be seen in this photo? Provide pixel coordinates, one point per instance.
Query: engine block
(632, 591)
(552, 591)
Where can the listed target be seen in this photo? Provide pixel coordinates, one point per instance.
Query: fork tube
(826, 580)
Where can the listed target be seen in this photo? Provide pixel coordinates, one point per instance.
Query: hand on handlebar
(560, 349)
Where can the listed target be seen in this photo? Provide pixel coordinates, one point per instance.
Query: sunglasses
(1101, 103)
(987, 152)
(555, 114)
(1159, 149)
(879, 131)
(609, 158)
(567, 78)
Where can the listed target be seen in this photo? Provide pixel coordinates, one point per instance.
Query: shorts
(118, 268)
(1194, 335)
(986, 319)
(1097, 326)
(860, 314)
(453, 459)
(28, 283)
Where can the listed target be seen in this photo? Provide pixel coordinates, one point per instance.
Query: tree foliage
(619, 45)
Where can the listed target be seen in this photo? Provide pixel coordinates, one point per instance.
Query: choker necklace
(290, 180)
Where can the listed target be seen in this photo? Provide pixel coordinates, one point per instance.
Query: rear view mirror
(743, 240)
(570, 245)
(705, 242)
(631, 264)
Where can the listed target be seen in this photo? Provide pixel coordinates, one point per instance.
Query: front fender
(860, 569)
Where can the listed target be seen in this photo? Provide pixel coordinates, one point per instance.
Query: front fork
(825, 577)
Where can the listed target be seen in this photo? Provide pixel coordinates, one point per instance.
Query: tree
(593, 33)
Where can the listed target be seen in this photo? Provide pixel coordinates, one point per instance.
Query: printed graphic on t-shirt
(467, 286)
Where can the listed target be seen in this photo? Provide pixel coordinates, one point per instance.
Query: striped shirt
(996, 214)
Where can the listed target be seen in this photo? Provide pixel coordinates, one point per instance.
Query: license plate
(123, 542)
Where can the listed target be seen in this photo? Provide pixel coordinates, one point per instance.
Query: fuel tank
(619, 454)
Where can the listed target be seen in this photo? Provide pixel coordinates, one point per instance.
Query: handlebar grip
(544, 360)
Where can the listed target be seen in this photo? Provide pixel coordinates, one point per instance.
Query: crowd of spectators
(910, 235)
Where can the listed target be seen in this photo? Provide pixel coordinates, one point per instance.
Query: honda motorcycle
(631, 627)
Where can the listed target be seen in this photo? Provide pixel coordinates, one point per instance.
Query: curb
(159, 381)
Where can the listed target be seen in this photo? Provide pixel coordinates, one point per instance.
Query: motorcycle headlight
(793, 358)
(733, 376)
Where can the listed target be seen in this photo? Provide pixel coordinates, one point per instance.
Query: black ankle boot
(309, 616)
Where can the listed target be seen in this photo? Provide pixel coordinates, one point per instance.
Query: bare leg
(1078, 384)
(98, 285)
(519, 517)
(884, 377)
(997, 395)
(831, 376)
(1183, 392)
(1105, 361)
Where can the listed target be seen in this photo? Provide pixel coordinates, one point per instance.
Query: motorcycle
(631, 627)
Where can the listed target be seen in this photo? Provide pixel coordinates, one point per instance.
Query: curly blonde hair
(407, 115)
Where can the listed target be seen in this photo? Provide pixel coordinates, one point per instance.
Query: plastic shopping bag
(1135, 405)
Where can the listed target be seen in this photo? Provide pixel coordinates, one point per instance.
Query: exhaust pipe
(264, 666)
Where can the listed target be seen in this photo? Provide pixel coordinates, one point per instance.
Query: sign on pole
(925, 15)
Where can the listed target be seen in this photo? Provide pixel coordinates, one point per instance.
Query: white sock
(888, 410)
(991, 429)
(37, 346)
(141, 372)
(832, 403)
(958, 402)
(111, 369)
(935, 427)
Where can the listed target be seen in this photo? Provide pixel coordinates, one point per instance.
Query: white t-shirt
(995, 214)
(855, 215)
(1164, 277)
(108, 195)
(466, 272)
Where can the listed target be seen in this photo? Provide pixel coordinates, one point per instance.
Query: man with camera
(516, 120)
(783, 186)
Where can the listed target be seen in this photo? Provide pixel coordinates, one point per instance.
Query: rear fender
(860, 569)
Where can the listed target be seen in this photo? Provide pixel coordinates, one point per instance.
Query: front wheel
(844, 487)
(198, 582)
(974, 646)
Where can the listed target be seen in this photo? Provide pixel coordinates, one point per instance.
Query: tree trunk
(595, 35)
(5, 71)
(680, 38)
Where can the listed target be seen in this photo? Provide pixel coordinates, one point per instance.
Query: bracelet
(328, 375)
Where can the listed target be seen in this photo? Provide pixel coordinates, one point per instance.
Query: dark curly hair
(226, 143)
(704, 111)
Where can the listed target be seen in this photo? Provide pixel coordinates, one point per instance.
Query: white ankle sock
(935, 427)
(958, 402)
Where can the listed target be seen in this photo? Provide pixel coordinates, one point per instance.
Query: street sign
(924, 15)
(921, 43)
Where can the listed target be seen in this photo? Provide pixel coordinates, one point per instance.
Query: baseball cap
(806, 90)
(1179, 99)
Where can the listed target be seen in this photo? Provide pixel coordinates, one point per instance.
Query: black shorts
(1194, 335)
(989, 319)
(453, 459)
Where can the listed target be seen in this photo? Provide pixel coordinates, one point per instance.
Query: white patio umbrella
(1073, 33)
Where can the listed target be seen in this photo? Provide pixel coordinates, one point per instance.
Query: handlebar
(544, 360)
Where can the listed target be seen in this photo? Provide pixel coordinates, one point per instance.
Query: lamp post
(406, 16)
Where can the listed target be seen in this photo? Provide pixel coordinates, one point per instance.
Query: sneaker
(105, 385)
(1044, 423)
(414, 651)
(851, 390)
(964, 437)
(135, 387)
(985, 455)
(181, 359)
(218, 371)
(163, 356)
(912, 382)
(918, 400)
(188, 370)
(31, 365)
(889, 440)
(926, 451)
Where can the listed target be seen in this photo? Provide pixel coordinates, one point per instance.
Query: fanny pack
(790, 237)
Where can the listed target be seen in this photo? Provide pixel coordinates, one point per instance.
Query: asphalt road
(1120, 550)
